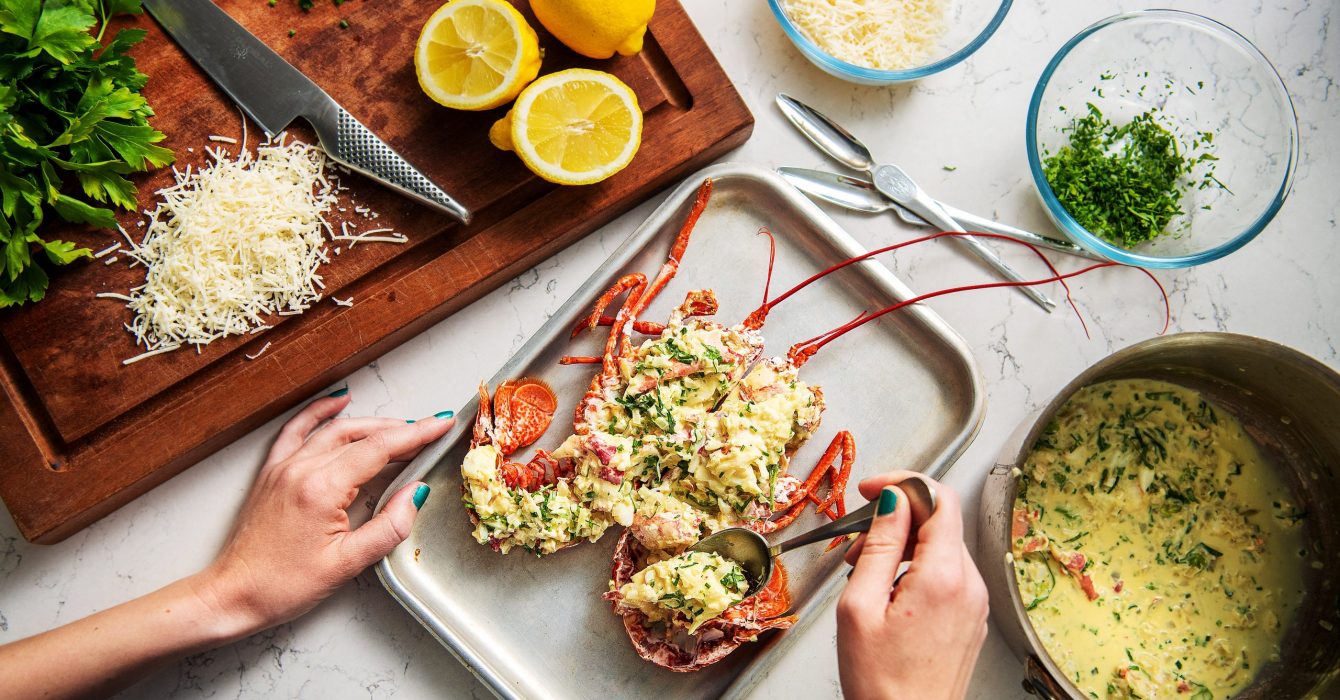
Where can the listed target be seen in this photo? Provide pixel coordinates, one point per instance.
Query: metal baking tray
(906, 386)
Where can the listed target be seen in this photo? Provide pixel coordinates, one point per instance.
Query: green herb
(733, 580)
(69, 107)
(1201, 556)
(1123, 183)
(949, 168)
(344, 23)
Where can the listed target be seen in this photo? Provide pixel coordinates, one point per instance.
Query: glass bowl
(969, 23)
(1203, 76)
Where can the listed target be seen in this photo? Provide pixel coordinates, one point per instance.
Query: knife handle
(351, 144)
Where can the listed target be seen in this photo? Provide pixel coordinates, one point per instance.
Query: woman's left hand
(292, 544)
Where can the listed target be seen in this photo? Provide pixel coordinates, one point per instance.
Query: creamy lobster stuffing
(685, 591)
(680, 446)
(539, 521)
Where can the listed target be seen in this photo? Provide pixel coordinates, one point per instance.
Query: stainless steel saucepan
(1290, 405)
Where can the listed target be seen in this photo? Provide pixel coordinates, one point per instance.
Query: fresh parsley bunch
(70, 111)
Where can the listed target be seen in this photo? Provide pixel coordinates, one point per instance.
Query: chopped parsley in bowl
(1161, 138)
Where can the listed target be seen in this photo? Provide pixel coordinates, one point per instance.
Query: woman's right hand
(293, 544)
(919, 639)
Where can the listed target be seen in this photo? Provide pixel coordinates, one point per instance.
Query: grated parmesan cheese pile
(877, 34)
(234, 242)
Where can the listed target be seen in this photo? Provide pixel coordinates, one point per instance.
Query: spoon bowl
(755, 556)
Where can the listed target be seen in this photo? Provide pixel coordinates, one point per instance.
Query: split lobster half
(741, 623)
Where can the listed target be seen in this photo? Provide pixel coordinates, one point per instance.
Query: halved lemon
(574, 127)
(476, 54)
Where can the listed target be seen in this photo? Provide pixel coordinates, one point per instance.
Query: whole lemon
(596, 28)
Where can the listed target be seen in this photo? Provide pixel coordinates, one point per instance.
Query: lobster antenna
(801, 352)
(756, 319)
(772, 260)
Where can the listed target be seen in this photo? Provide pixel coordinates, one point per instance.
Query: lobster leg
(671, 265)
(667, 272)
(643, 327)
(579, 360)
(483, 418)
(844, 446)
(615, 345)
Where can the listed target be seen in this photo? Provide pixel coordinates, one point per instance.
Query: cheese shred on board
(230, 243)
(878, 34)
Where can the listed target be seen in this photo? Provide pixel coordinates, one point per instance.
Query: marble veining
(971, 119)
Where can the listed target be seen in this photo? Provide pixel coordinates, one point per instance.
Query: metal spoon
(846, 149)
(859, 194)
(748, 548)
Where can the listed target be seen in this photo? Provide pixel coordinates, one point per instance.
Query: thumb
(378, 536)
(872, 579)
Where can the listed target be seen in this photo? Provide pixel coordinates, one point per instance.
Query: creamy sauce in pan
(1159, 555)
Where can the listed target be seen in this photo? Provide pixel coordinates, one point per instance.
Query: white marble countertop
(1282, 287)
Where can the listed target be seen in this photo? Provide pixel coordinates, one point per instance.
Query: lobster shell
(716, 639)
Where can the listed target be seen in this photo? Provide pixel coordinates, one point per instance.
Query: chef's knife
(859, 194)
(273, 93)
(845, 148)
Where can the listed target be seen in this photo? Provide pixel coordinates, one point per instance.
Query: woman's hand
(292, 545)
(920, 639)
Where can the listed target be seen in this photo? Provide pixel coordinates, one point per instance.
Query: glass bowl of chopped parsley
(1161, 138)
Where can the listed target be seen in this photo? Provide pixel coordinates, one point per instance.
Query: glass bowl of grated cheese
(884, 42)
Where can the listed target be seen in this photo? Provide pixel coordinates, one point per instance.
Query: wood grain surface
(81, 434)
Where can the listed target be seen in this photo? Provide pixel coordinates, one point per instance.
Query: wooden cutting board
(81, 434)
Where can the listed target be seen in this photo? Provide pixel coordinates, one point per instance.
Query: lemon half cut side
(574, 127)
(476, 54)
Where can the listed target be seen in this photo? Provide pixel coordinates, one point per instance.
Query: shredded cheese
(229, 244)
(107, 250)
(258, 353)
(232, 243)
(878, 34)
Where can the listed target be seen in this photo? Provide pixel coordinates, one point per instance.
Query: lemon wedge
(476, 54)
(573, 127)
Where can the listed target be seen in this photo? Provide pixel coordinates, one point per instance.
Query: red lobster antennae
(756, 319)
(801, 352)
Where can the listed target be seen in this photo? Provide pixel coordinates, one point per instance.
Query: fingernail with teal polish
(338, 393)
(444, 414)
(420, 495)
(409, 420)
(888, 502)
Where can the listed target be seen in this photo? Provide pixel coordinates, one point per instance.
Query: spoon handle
(921, 500)
(856, 521)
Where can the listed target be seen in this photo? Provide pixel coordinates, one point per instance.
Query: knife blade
(274, 93)
(844, 147)
(859, 194)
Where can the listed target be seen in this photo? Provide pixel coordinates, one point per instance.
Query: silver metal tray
(906, 386)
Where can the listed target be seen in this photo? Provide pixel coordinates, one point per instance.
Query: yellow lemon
(596, 28)
(476, 54)
(574, 127)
